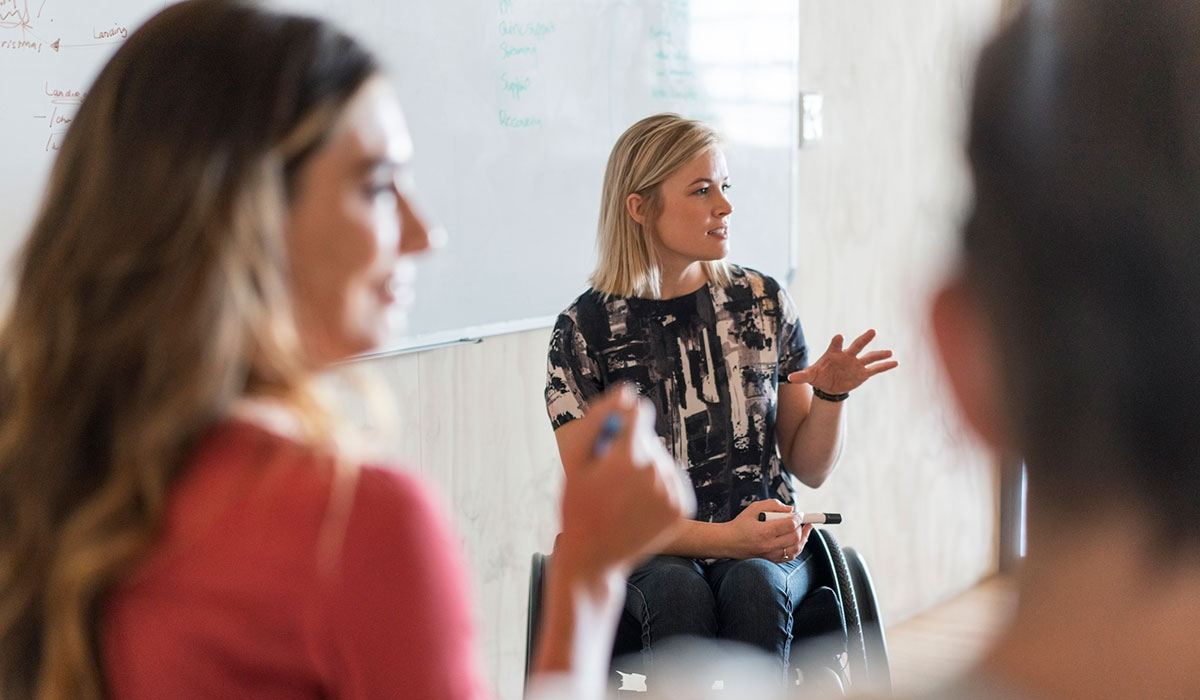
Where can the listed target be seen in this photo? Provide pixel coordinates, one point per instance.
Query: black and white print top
(710, 361)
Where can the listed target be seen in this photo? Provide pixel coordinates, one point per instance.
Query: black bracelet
(830, 397)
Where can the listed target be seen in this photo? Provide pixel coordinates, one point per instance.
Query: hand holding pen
(628, 495)
(623, 496)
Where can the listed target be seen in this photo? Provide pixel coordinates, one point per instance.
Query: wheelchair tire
(856, 648)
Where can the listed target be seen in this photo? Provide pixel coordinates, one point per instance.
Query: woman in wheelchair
(720, 352)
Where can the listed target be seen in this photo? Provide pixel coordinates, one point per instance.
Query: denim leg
(670, 597)
(756, 599)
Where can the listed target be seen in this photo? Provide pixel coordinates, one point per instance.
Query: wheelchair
(837, 622)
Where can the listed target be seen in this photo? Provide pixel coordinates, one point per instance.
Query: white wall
(879, 201)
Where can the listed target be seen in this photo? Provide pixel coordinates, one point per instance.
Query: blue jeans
(745, 600)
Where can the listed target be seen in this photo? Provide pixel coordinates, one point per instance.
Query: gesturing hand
(842, 370)
(624, 501)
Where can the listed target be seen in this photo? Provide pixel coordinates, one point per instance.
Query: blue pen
(608, 432)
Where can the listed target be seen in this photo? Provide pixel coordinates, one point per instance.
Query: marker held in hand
(805, 518)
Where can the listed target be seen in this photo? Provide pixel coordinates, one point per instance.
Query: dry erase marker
(608, 432)
(805, 518)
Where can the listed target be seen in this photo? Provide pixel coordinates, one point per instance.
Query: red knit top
(278, 575)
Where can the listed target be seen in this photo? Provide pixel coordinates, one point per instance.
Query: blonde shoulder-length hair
(643, 157)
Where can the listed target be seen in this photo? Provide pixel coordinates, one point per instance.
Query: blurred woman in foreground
(229, 215)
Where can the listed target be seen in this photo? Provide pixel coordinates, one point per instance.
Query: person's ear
(633, 205)
(965, 343)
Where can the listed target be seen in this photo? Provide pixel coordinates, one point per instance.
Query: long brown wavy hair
(152, 292)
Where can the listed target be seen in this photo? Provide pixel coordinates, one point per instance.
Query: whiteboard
(513, 106)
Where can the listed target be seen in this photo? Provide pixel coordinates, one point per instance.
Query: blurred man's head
(1072, 335)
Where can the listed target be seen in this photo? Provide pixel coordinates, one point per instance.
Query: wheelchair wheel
(866, 650)
(856, 652)
(879, 672)
(537, 572)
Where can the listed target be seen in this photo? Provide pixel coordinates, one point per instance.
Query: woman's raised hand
(840, 370)
(626, 495)
(623, 497)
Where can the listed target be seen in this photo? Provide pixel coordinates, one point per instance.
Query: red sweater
(267, 583)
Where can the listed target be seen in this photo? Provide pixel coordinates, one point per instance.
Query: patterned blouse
(710, 362)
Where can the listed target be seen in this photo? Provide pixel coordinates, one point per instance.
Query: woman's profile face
(694, 223)
(351, 230)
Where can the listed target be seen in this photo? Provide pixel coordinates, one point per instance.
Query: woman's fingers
(790, 549)
(627, 416)
(861, 342)
(801, 377)
(620, 403)
(788, 541)
(837, 371)
(791, 543)
(657, 496)
(599, 429)
(875, 356)
(783, 534)
(627, 496)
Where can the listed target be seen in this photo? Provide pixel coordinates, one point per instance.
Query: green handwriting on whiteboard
(536, 30)
(508, 120)
(508, 51)
(514, 85)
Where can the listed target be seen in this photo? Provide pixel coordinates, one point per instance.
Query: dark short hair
(1084, 246)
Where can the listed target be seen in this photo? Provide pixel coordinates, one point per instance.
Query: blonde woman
(708, 343)
(230, 213)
